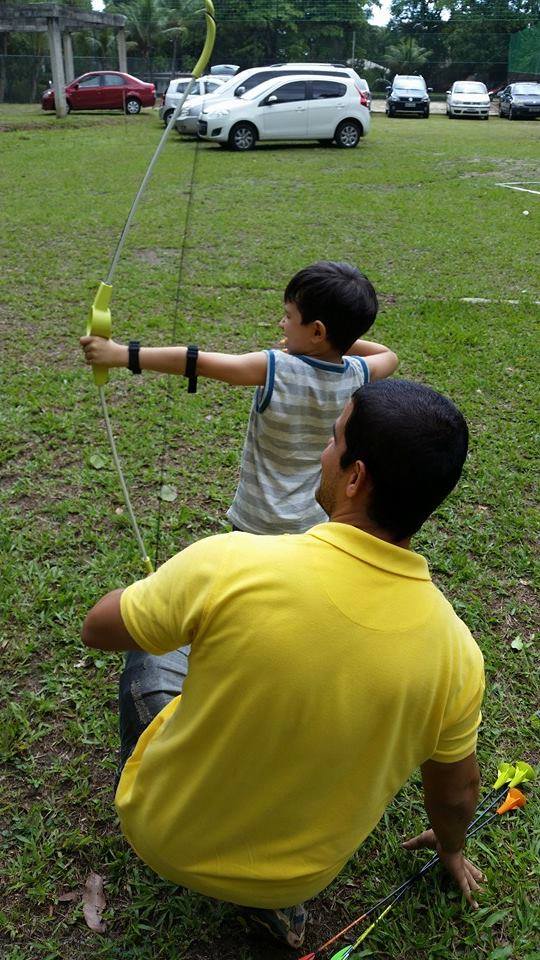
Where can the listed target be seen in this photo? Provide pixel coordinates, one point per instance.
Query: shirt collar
(378, 553)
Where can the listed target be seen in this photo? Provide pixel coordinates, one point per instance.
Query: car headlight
(193, 112)
(425, 99)
(218, 113)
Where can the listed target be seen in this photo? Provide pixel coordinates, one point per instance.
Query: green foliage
(418, 207)
(405, 56)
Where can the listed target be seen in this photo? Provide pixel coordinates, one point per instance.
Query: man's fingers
(474, 871)
(420, 842)
(468, 883)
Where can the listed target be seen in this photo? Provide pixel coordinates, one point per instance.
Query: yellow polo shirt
(325, 667)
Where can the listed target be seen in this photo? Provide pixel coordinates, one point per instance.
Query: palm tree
(179, 16)
(405, 56)
(146, 20)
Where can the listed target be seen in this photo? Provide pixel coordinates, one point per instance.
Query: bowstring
(176, 312)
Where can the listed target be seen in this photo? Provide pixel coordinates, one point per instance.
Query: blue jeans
(147, 684)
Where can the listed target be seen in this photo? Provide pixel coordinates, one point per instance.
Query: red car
(105, 90)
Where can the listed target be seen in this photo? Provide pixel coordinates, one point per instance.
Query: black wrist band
(191, 368)
(133, 356)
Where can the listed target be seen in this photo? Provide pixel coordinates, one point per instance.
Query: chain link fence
(438, 52)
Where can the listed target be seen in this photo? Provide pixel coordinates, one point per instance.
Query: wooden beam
(57, 66)
(33, 17)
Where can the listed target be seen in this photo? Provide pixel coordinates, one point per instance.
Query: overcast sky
(381, 16)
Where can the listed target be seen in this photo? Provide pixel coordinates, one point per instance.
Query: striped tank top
(290, 421)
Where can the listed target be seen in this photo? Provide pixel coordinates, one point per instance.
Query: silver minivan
(177, 87)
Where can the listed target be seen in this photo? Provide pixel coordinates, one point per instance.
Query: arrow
(514, 799)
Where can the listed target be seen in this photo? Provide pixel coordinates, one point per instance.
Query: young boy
(301, 390)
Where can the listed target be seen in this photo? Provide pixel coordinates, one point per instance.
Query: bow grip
(100, 325)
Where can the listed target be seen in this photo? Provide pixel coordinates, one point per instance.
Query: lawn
(417, 206)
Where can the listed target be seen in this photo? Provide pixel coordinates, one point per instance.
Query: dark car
(407, 95)
(105, 90)
(520, 100)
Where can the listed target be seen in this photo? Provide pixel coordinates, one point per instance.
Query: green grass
(418, 208)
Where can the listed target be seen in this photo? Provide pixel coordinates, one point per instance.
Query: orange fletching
(514, 799)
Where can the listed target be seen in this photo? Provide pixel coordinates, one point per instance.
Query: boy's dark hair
(413, 442)
(337, 295)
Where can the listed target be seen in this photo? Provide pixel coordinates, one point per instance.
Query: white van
(177, 87)
(246, 80)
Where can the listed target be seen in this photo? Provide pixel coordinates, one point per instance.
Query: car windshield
(470, 87)
(409, 83)
(527, 88)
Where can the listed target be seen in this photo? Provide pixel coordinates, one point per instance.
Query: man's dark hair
(337, 295)
(413, 443)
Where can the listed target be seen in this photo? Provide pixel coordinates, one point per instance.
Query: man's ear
(358, 479)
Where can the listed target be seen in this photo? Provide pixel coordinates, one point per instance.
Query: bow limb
(100, 321)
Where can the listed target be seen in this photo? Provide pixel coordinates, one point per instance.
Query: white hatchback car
(241, 83)
(304, 108)
(467, 98)
(201, 88)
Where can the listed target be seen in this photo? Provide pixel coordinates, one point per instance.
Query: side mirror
(388, 88)
(271, 99)
(75, 86)
(239, 91)
(448, 92)
(430, 89)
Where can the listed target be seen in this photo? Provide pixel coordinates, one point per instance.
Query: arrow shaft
(399, 892)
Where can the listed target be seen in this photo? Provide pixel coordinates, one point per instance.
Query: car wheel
(242, 137)
(166, 116)
(348, 134)
(133, 106)
(390, 112)
(426, 113)
(512, 115)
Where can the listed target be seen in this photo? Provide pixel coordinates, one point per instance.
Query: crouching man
(313, 658)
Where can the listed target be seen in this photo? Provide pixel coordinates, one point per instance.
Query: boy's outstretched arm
(239, 369)
(382, 361)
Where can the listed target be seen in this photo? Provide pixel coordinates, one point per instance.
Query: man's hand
(463, 872)
(104, 353)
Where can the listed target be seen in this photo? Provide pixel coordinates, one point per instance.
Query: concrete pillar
(68, 57)
(57, 64)
(122, 52)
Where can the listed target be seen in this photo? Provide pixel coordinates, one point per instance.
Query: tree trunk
(36, 70)
(3, 65)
